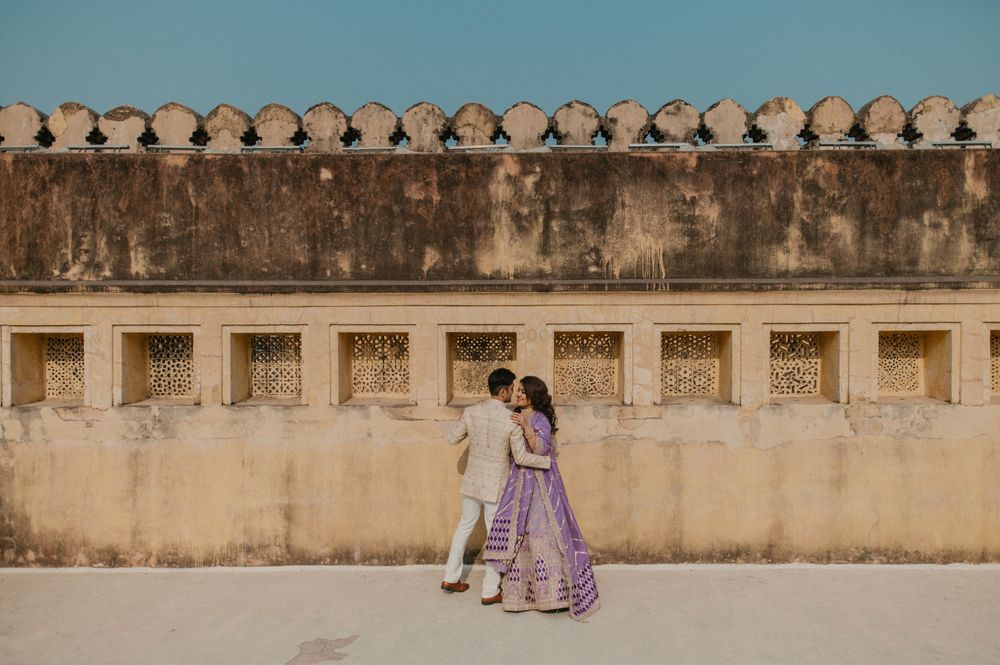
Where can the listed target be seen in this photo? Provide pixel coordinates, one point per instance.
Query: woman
(535, 540)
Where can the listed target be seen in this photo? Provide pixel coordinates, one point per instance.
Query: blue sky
(106, 53)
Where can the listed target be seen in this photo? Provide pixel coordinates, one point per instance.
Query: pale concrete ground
(714, 614)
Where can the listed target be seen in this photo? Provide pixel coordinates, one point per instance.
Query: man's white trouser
(470, 515)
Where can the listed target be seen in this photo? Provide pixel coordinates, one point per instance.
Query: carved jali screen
(689, 364)
(995, 362)
(586, 364)
(380, 364)
(64, 367)
(795, 363)
(900, 363)
(171, 365)
(276, 366)
(475, 355)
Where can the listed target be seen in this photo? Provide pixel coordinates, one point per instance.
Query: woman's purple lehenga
(536, 542)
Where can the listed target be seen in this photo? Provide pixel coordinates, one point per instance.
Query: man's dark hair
(500, 378)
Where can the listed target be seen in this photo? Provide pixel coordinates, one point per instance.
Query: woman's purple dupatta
(512, 514)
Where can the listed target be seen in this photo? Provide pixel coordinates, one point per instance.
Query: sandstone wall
(229, 359)
(844, 472)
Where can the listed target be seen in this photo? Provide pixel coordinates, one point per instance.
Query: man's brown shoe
(492, 600)
(452, 587)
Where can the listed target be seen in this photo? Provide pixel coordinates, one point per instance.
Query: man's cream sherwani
(493, 439)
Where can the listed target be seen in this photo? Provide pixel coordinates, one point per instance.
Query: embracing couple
(512, 477)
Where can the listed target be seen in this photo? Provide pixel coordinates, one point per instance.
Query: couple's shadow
(478, 537)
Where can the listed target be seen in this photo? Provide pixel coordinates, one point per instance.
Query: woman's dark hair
(538, 394)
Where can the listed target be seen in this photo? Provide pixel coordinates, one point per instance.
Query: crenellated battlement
(779, 124)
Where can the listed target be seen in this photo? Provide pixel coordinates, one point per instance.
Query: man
(493, 439)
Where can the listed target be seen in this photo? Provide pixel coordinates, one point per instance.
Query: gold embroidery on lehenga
(539, 577)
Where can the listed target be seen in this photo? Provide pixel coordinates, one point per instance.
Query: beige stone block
(19, 124)
(781, 120)
(576, 123)
(526, 125)
(727, 122)
(326, 125)
(123, 125)
(174, 124)
(424, 124)
(882, 120)
(628, 122)
(70, 124)
(936, 118)
(981, 115)
(474, 124)
(276, 125)
(974, 368)
(831, 118)
(375, 123)
(225, 126)
(677, 122)
(754, 362)
(862, 363)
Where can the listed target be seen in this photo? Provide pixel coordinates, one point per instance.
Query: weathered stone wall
(846, 474)
(469, 222)
(851, 416)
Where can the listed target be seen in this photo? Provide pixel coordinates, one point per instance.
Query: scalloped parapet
(424, 125)
(727, 122)
(882, 120)
(935, 118)
(375, 124)
(576, 123)
(627, 122)
(831, 119)
(677, 122)
(276, 125)
(20, 124)
(982, 116)
(174, 124)
(526, 126)
(781, 120)
(123, 125)
(474, 124)
(325, 125)
(226, 126)
(779, 123)
(70, 124)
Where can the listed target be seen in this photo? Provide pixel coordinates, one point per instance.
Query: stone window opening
(47, 368)
(200, 137)
(45, 137)
(914, 365)
(500, 137)
(696, 366)
(399, 138)
(804, 366)
(158, 368)
(266, 368)
(350, 138)
(375, 366)
(471, 358)
(96, 137)
(148, 138)
(588, 366)
(995, 363)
